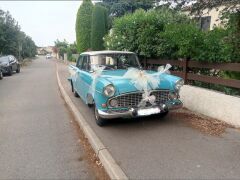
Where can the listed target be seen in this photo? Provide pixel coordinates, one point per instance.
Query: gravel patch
(202, 123)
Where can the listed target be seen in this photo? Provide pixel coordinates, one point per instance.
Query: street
(37, 138)
(169, 148)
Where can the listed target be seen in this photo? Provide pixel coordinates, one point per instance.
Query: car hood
(4, 63)
(124, 85)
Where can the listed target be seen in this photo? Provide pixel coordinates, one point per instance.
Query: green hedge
(99, 27)
(168, 34)
(83, 26)
(165, 33)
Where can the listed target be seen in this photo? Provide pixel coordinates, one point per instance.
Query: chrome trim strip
(138, 92)
(170, 105)
(135, 92)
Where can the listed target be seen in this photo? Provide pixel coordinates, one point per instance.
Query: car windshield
(4, 59)
(114, 61)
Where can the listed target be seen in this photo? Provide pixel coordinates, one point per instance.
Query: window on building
(205, 23)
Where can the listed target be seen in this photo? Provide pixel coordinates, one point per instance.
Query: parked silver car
(9, 64)
(48, 56)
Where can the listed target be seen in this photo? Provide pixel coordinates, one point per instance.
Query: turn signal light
(104, 105)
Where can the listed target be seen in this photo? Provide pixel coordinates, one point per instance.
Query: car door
(13, 63)
(86, 77)
(77, 80)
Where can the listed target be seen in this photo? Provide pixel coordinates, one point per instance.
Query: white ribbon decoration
(72, 73)
(142, 80)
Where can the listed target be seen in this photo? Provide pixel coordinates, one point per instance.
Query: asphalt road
(151, 148)
(37, 139)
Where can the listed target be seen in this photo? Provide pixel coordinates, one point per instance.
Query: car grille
(133, 99)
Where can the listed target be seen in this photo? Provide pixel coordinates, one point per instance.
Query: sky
(45, 21)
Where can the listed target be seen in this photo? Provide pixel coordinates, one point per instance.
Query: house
(209, 19)
(41, 51)
(46, 50)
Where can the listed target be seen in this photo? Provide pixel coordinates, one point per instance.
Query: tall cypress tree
(83, 26)
(99, 27)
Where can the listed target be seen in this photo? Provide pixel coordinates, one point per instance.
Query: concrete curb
(112, 168)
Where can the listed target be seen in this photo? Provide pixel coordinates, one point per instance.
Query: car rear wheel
(73, 90)
(163, 114)
(99, 121)
(75, 93)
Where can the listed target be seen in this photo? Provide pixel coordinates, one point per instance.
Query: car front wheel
(18, 69)
(99, 121)
(10, 71)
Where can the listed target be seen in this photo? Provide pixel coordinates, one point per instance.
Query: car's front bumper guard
(170, 105)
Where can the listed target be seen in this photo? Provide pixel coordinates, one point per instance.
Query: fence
(185, 70)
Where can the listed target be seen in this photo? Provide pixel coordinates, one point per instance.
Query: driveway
(169, 148)
(37, 138)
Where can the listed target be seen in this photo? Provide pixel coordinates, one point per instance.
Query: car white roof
(106, 52)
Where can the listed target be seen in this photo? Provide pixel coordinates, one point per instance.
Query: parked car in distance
(9, 64)
(1, 73)
(48, 56)
(115, 96)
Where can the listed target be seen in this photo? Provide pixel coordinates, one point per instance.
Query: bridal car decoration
(114, 83)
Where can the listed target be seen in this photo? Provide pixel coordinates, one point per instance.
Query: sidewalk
(170, 148)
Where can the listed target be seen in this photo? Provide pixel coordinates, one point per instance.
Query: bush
(83, 26)
(140, 31)
(180, 40)
(215, 47)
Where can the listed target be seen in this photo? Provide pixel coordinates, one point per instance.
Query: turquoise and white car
(99, 79)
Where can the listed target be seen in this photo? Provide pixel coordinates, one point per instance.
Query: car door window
(85, 63)
(10, 59)
(79, 62)
(14, 60)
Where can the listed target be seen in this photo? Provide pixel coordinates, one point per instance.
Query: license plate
(146, 112)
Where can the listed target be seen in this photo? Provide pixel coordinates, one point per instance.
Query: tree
(28, 47)
(141, 31)
(61, 46)
(12, 40)
(99, 27)
(118, 8)
(83, 26)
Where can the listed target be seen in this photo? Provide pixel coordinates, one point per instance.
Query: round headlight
(179, 84)
(173, 95)
(109, 90)
(113, 103)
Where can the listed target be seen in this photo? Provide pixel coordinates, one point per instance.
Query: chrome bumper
(170, 105)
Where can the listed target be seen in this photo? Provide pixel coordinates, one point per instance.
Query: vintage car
(112, 82)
